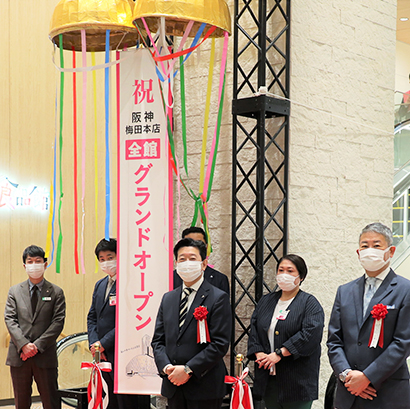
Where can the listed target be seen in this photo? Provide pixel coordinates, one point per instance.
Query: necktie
(369, 292)
(34, 299)
(183, 306)
(109, 286)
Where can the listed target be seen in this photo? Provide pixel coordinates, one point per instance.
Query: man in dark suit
(34, 316)
(101, 324)
(193, 372)
(371, 374)
(211, 275)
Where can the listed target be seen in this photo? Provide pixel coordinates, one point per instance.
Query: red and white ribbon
(241, 395)
(203, 332)
(97, 384)
(200, 314)
(379, 313)
(375, 335)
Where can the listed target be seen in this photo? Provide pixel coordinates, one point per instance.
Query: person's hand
(177, 375)
(260, 355)
(169, 369)
(28, 351)
(268, 361)
(102, 356)
(369, 393)
(357, 382)
(23, 356)
(92, 349)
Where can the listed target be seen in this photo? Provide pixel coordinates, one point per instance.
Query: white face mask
(35, 270)
(286, 282)
(189, 270)
(373, 259)
(109, 267)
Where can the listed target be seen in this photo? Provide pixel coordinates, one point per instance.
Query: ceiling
(403, 27)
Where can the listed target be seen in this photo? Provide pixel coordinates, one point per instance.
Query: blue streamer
(193, 44)
(107, 137)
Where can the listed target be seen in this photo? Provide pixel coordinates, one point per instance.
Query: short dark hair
(33, 251)
(188, 242)
(194, 229)
(379, 228)
(298, 262)
(105, 245)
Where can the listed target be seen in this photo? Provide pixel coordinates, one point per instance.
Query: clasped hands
(28, 351)
(101, 349)
(267, 360)
(177, 375)
(358, 384)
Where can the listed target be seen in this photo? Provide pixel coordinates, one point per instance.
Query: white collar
(381, 276)
(195, 286)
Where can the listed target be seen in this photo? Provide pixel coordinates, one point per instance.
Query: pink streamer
(153, 43)
(84, 123)
(183, 41)
(221, 80)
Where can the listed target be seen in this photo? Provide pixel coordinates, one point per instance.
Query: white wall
(402, 67)
(343, 56)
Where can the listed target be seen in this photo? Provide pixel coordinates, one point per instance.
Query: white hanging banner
(144, 222)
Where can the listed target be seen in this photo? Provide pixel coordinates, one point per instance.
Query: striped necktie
(183, 306)
(369, 293)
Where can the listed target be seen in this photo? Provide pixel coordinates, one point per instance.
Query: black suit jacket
(175, 347)
(301, 333)
(211, 275)
(349, 335)
(101, 318)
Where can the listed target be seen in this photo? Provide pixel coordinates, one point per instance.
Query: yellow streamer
(95, 154)
(206, 117)
(50, 222)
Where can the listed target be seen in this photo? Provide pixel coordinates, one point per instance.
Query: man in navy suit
(211, 275)
(193, 372)
(101, 323)
(371, 374)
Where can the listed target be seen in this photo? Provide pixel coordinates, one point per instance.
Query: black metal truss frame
(260, 153)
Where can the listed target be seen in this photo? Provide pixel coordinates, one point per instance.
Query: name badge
(113, 300)
(46, 298)
(282, 315)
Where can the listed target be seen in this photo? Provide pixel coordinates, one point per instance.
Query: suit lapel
(173, 306)
(199, 299)
(25, 295)
(358, 291)
(103, 289)
(383, 291)
(270, 307)
(45, 292)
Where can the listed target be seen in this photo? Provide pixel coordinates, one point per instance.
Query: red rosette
(378, 312)
(200, 313)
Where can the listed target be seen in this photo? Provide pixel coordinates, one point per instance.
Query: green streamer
(218, 131)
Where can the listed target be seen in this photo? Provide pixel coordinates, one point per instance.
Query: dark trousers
(178, 401)
(272, 396)
(46, 380)
(124, 401)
